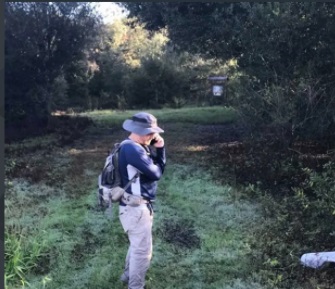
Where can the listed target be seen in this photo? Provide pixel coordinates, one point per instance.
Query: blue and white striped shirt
(148, 161)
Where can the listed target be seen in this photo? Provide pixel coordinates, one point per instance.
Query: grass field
(57, 238)
(195, 115)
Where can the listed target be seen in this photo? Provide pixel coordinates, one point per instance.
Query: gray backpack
(109, 180)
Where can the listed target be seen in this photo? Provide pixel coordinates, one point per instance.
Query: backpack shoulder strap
(126, 141)
(138, 173)
(118, 145)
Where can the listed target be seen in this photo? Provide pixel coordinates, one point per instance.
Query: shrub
(156, 83)
(291, 109)
(296, 224)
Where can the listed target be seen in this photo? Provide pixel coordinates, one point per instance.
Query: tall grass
(23, 254)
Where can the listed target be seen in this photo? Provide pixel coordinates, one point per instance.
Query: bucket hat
(142, 123)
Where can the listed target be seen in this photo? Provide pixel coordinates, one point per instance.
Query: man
(143, 154)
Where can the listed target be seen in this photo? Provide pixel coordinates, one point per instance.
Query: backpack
(109, 180)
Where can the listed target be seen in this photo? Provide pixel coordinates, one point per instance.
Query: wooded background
(269, 140)
(279, 58)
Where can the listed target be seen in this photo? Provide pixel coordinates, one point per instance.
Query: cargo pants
(137, 223)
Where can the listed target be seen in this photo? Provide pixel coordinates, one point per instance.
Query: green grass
(222, 226)
(194, 115)
(201, 231)
(88, 250)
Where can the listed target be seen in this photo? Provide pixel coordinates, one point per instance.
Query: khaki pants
(137, 223)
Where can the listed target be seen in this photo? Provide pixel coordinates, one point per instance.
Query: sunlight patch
(197, 148)
(74, 151)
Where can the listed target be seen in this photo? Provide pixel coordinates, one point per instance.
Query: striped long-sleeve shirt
(149, 162)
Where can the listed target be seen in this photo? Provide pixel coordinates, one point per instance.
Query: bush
(156, 83)
(296, 224)
(293, 109)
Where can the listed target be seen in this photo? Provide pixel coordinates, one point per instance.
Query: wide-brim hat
(142, 123)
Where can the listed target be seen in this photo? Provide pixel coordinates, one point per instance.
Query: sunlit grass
(194, 115)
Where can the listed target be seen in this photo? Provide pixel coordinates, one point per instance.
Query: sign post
(218, 89)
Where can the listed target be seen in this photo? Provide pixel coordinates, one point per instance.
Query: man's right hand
(159, 141)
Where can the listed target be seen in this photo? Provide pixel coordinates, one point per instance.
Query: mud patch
(179, 232)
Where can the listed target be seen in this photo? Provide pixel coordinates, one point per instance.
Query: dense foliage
(136, 69)
(283, 52)
(44, 41)
(269, 39)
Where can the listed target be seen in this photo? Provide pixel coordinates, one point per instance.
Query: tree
(42, 39)
(270, 35)
(288, 45)
(135, 68)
